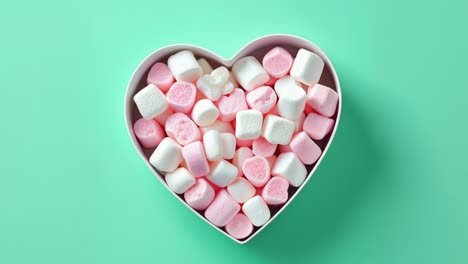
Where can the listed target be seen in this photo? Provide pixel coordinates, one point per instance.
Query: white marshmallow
(299, 122)
(285, 84)
(248, 124)
(307, 67)
(256, 210)
(150, 101)
(290, 167)
(241, 190)
(179, 180)
(215, 84)
(213, 145)
(240, 156)
(229, 145)
(204, 112)
(184, 66)
(277, 130)
(292, 103)
(206, 67)
(233, 80)
(222, 173)
(220, 126)
(250, 73)
(167, 156)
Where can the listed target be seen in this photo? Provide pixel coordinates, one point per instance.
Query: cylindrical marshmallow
(167, 156)
(262, 99)
(222, 173)
(241, 154)
(204, 112)
(277, 130)
(249, 73)
(222, 209)
(206, 67)
(239, 227)
(261, 147)
(305, 148)
(179, 180)
(229, 145)
(148, 132)
(161, 76)
(289, 166)
(285, 84)
(317, 126)
(256, 210)
(241, 190)
(291, 103)
(184, 66)
(277, 62)
(181, 96)
(150, 101)
(181, 128)
(200, 195)
(275, 191)
(194, 156)
(229, 105)
(248, 124)
(307, 67)
(257, 170)
(322, 99)
(213, 145)
(218, 125)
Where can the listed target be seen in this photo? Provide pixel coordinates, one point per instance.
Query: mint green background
(392, 189)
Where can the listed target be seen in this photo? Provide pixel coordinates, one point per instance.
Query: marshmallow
(200, 195)
(204, 112)
(222, 209)
(230, 104)
(256, 210)
(148, 132)
(250, 73)
(150, 101)
(222, 173)
(161, 76)
(233, 80)
(272, 159)
(262, 99)
(299, 123)
(240, 156)
(284, 148)
(241, 190)
(289, 166)
(215, 84)
(248, 124)
(256, 170)
(277, 62)
(244, 143)
(213, 145)
(305, 148)
(307, 67)
(194, 156)
(162, 118)
(167, 156)
(229, 145)
(206, 67)
(179, 180)
(275, 191)
(308, 109)
(181, 96)
(181, 128)
(322, 99)
(271, 81)
(285, 84)
(291, 103)
(261, 147)
(239, 227)
(220, 126)
(277, 130)
(184, 66)
(317, 126)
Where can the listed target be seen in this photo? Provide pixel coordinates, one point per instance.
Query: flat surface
(391, 190)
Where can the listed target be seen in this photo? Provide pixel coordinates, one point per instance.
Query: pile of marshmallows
(228, 141)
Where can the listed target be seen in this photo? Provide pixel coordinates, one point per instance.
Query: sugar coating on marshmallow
(317, 126)
(275, 191)
(241, 155)
(305, 148)
(261, 147)
(230, 104)
(148, 132)
(291, 103)
(277, 130)
(150, 101)
(206, 67)
(181, 128)
(162, 118)
(262, 99)
(285, 84)
(161, 76)
(200, 195)
(256, 210)
(167, 156)
(195, 158)
(218, 125)
(179, 180)
(241, 190)
(229, 145)
(213, 145)
(222, 173)
(257, 170)
(277, 62)
(239, 227)
(222, 209)
(215, 84)
(322, 99)
(248, 124)
(204, 112)
(181, 96)
(289, 166)
(250, 73)
(307, 67)
(184, 66)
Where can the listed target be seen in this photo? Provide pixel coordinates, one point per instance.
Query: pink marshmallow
(200, 195)
(256, 170)
(162, 118)
(308, 109)
(284, 148)
(241, 155)
(195, 159)
(305, 148)
(271, 81)
(229, 105)
(277, 62)
(317, 126)
(261, 147)
(239, 227)
(161, 76)
(148, 132)
(275, 191)
(222, 209)
(272, 160)
(182, 129)
(181, 96)
(322, 99)
(244, 142)
(262, 99)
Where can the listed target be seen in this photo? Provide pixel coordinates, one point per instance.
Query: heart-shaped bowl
(256, 48)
